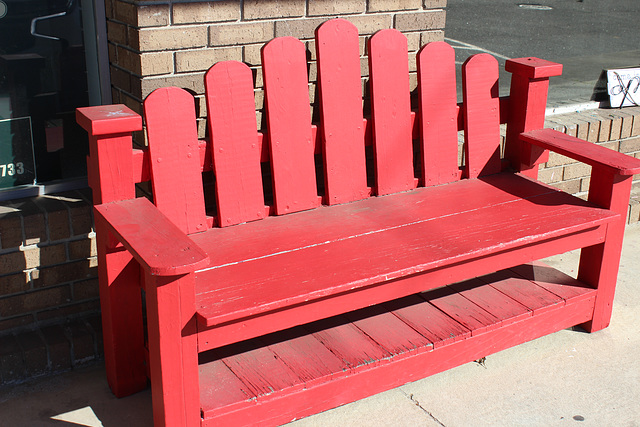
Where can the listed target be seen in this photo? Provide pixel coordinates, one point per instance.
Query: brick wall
(172, 43)
(615, 129)
(49, 305)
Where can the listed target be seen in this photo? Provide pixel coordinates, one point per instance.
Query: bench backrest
(291, 144)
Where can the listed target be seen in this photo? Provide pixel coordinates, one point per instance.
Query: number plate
(17, 166)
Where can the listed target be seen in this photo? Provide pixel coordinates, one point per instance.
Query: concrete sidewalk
(567, 378)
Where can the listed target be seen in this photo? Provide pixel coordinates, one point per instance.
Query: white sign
(623, 86)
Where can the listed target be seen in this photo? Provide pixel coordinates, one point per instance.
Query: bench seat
(386, 345)
(326, 251)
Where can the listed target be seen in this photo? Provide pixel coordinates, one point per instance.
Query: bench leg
(173, 350)
(122, 326)
(599, 264)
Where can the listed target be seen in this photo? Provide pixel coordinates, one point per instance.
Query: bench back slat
(481, 109)
(391, 112)
(438, 114)
(338, 51)
(284, 64)
(235, 150)
(175, 158)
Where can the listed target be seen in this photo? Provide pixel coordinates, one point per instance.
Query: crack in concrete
(417, 403)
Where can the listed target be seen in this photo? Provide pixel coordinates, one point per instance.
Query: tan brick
(550, 175)
(153, 15)
(605, 119)
(115, 95)
(251, 54)
(202, 128)
(263, 9)
(630, 145)
(413, 41)
(627, 124)
(635, 130)
(142, 15)
(412, 62)
(181, 37)
(611, 145)
(259, 98)
(52, 255)
(132, 102)
(82, 249)
(80, 214)
(571, 187)
(11, 231)
(260, 120)
(616, 127)
(34, 223)
(433, 4)
(117, 33)
(584, 184)
(120, 79)
(87, 289)
(109, 9)
(312, 71)
(594, 131)
(335, 7)
(69, 310)
(192, 81)
(133, 35)
(605, 130)
(413, 81)
(431, 36)
(369, 24)
(634, 211)
(299, 28)
(556, 159)
(128, 60)
(571, 129)
(145, 64)
(364, 67)
(69, 272)
(257, 78)
(577, 170)
(32, 301)
(14, 283)
(549, 123)
(233, 34)
(125, 12)
(389, 5)
(211, 11)
(113, 55)
(203, 59)
(420, 21)
(201, 107)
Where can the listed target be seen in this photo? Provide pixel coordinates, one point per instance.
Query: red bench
(329, 263)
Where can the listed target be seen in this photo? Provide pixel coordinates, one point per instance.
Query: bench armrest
(153, 240)
(583, 151)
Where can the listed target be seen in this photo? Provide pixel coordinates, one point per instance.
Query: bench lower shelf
(311, 368)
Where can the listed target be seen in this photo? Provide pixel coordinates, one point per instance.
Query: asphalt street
(586, 36)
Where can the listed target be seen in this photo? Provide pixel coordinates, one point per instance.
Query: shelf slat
(388, 345)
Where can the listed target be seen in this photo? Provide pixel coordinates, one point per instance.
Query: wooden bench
(328, 263)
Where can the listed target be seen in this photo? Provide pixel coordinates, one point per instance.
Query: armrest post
(110, 170)
(110, 164)
(527, 104)
(599, 264)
